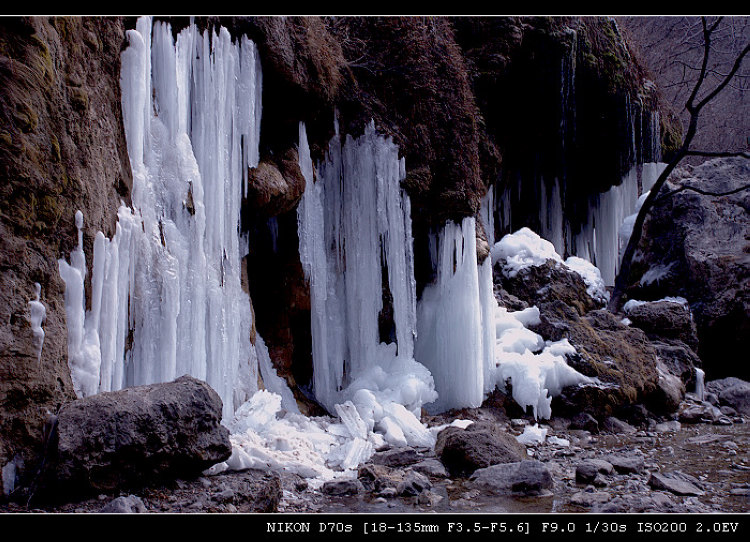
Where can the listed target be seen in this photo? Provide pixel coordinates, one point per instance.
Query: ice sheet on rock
(37, 315)
(656, 274)
(532, 434)
(536, 370)
(272, 381)
(591, 275)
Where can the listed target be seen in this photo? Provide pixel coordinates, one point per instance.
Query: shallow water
(718, 456)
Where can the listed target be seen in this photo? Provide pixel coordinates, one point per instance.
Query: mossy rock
(26, 117)
(79, 99)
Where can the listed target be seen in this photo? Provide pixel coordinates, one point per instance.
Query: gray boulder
(341, 487)
(482, 444)
(696, 246)
(531, 478)
(124, 505)
(676, 483)
(732, 392)
(413, 484)
(627, 462)
(665, 320)
(136, 436)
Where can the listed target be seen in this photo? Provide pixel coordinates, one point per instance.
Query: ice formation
(37, 315)
(167, 296)
(524, 248)
(355, 240)
(449, 340)
(171, 273)
(533, 434)
(605, 230)
(700, 389)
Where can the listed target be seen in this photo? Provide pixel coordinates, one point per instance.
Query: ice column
(449, 321)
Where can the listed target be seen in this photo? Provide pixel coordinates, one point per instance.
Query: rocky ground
(691, 464)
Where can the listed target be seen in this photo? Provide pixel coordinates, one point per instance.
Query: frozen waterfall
(169, 280)
(355, 241)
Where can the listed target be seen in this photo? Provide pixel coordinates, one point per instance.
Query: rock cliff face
(453, 94)
(62, 148)
(696, 246)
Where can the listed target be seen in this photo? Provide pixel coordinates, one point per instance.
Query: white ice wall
(171, 274)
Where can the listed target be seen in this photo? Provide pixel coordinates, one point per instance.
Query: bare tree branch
(683, 188)
(711, 154)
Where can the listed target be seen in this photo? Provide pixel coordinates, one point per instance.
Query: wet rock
(617, 427)
(530, 478)
(585, 422)
(627, 462)
(413, 484)
(124, 505)
(482, 444)
(225, 496)
(669, 391)
(588, 470)
(136, 436)
(431, 467)
(674, 483)
(397, 457)
(665, 320)
(732, 392)
(275, 186)
(670, 426)
(429, 498)
(699, 413)
(341, 487)
(590, 499)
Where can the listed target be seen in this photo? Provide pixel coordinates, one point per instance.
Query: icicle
(353, 218)
(700, 389)
(38, 313)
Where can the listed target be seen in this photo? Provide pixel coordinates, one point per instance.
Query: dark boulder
(696, 246)
(665, 320)
(136, 436)
(619, 358)
(732, 392)
(528, 478)
(550, 281)
(482, 444)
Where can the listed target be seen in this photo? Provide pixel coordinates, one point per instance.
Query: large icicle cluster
(167, 296)
(355, 240)
(171, 273)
